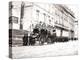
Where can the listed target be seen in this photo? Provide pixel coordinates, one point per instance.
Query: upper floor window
(10, 5)
(44, 17)
(37, 10)
(49, 21)
(37, 15)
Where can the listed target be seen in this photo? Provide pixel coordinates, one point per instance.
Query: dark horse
(43, 36)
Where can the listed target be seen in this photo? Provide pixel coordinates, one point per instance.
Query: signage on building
(13, 19)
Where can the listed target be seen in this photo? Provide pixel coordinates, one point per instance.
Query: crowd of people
(42, 36)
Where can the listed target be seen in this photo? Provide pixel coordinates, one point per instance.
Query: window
(49, 21)
(10, 5)
(37, 15)
(13, 19)
(44, 16)
(57, 14)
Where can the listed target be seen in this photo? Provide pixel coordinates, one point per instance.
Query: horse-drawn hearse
(41, 36)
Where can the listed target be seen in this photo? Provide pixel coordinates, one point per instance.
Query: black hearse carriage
(44, 36)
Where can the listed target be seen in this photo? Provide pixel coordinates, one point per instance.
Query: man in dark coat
(25, 40)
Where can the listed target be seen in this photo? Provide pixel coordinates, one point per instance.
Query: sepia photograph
(42, 29)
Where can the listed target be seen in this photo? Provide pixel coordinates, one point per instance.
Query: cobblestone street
(56, 49)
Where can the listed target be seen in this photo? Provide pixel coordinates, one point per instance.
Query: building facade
(24, 16)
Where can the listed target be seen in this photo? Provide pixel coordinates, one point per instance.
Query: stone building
(24, 16)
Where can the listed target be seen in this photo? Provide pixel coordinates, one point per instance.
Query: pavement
(56, 49)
